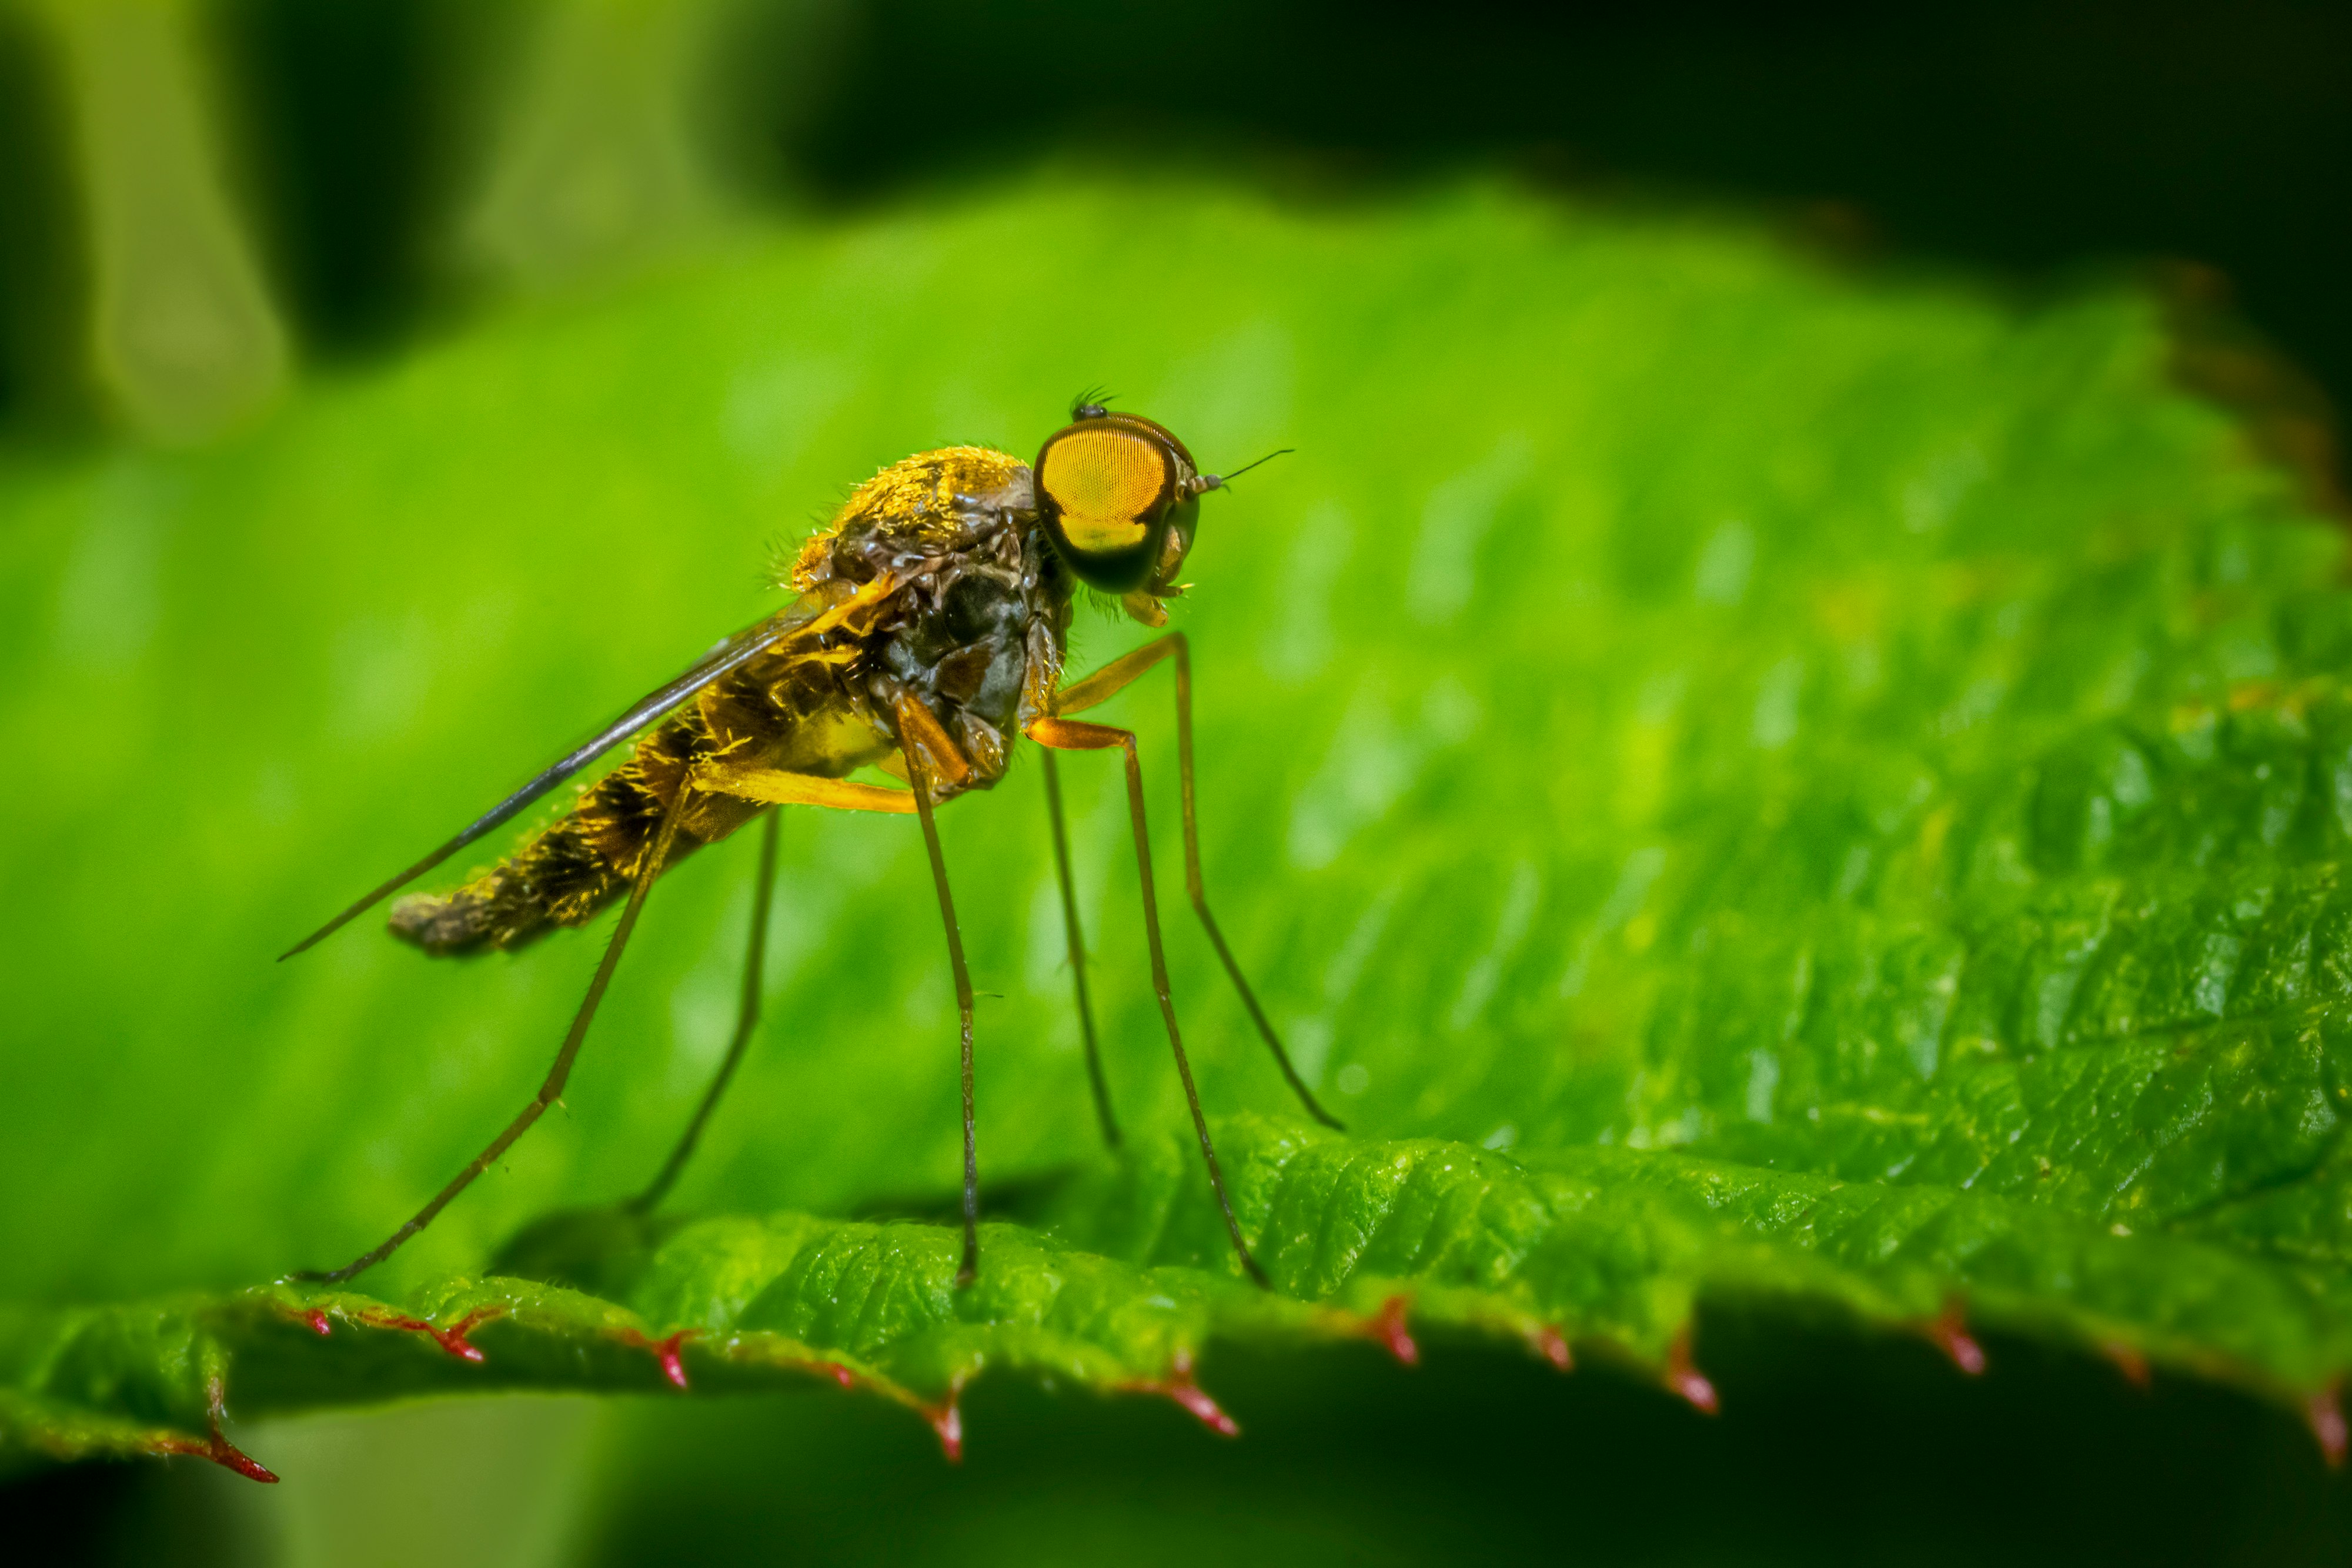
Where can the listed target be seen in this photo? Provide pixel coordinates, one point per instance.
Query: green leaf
(1740, 780)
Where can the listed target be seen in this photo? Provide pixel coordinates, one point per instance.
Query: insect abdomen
(787, 713)
(576, 864)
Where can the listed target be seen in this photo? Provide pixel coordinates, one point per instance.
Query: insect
(926, 638)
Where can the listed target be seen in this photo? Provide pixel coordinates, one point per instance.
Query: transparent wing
(746, 644)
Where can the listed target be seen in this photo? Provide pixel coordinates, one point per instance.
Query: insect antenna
(1219, 481)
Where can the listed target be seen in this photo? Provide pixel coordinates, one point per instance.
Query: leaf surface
(1737, 779)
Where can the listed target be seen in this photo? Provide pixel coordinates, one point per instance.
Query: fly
(927, 638)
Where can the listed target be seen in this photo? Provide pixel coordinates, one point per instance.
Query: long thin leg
(922, 740)
(1077, 952)
(648, 869)
(929, 753)
(1098, 687)
(1065, 734)
(747, 1021)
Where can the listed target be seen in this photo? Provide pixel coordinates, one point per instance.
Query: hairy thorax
(974, 629)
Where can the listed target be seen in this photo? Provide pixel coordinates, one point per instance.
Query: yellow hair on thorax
(915, 499)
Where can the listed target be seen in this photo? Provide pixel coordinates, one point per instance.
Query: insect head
(1119, 497)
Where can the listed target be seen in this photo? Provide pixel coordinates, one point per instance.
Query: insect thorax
(976, 631)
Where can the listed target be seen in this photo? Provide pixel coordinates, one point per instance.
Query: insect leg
(1098, 687)
(648, 867)
(924, 742)
(1077, 952)
(747, 1020)
(779, 788)
(1065, 734)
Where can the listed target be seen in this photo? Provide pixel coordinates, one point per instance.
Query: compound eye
(1106, 488)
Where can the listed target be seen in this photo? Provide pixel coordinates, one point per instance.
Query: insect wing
(734, 652)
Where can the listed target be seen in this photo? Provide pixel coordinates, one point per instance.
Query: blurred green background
(278, 178)
(204, 204)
